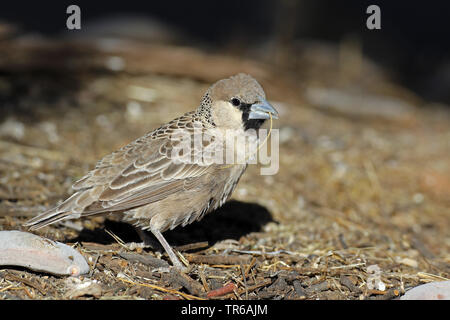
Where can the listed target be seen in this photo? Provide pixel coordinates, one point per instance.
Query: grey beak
(261, 110)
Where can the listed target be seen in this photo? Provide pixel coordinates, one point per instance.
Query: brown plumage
(151, 186)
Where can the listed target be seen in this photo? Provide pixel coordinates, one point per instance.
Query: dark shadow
(232, 221)
(123, 230)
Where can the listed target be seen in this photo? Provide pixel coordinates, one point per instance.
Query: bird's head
(238, 102)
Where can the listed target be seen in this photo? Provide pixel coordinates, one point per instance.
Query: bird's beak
(262, 110)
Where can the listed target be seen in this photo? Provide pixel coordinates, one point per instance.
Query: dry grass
(353, 190)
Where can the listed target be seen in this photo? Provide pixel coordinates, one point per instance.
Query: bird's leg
(175, 261)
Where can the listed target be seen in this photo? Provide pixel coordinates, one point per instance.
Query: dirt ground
(360, 207)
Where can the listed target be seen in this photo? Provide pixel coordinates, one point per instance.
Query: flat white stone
(439, 290)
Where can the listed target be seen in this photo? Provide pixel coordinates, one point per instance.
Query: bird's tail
(68, 209)
(48, 217)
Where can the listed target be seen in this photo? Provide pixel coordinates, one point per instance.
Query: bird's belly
(185, 207)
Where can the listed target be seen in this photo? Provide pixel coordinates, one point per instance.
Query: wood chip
(187, 282)
(219, 259)
(145, 259)
(387, 295)
(222, 291)
(192, 246)
(299, 289)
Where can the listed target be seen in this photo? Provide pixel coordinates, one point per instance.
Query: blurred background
(412, 44)
(364, 127)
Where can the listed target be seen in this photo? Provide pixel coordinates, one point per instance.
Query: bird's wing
(146, 147)
(147, 170)
(155, 174)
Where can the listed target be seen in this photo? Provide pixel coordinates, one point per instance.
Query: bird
(154, 188)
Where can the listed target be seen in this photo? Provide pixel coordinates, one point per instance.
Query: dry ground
(363, 185)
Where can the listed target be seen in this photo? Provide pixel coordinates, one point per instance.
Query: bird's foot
(177, 264)
(132, 246)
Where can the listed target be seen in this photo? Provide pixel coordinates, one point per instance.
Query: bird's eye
(236, 102)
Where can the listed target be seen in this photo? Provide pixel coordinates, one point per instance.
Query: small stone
(12, 128)
(418, 198)
(430, 291)
(115, 63)
(134, 110)
(409, 262)
(286, 133)
(85, 287)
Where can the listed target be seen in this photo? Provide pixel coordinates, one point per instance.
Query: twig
(222, 291)
(94, 265)
(30, 283)
(348, 266)
(95, 247)
(144, 259)
(6, 288)
(187, 296)
(376, 292)
(264, 283)
(182, 258)
(218, 259)
(250, 266)
(185, 281)
(117, 239)
(192, 246)
(272, 253)
(432, 277)
(203, 280)
(28, 293)
(387, 295)
(265, 268)
(229, 266)
(245, 281)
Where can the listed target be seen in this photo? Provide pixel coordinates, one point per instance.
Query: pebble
(13, 129)
(28, 250)
(85, 287)
(409, 262)
(115, 63)
(374, 279)
(438, 290)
